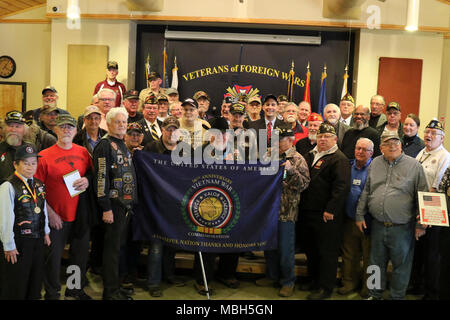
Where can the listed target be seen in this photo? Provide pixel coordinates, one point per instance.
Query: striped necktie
(269, 131)
(154, 133)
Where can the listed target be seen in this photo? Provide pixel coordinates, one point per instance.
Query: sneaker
(266, 282)
(155, 291)
(76, 295)
(286, 291)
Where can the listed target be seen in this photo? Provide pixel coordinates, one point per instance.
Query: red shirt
(118, 88)
(300, 132)
(54, 163)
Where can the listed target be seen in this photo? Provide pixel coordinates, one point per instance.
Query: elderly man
(377, 117)
(48, 119)
(91, 133)
(354, 243)
(107, 98)
(225, 108)
(435, 159)
(56, 162)
(280, 263)
(112, 70)
(115, 184)
(154, 89)
(331, 114)
(304, 110)
(173, 95)
(306, 144)
(290, 116)
(444, 244)
(204, 110)
(360, 129)
(163, 107)
(134, 137)
(393, 122)
(175, 109)
(347, 105)
(131, 103)
(244, 145)
(150, 123)
(49, 99)
(254, 109)
(390, 196)
(192, 128)
(321, 211)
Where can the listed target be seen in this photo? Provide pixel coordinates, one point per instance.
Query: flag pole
(204, 274)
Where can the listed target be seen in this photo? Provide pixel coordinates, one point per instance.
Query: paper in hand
(69, 179)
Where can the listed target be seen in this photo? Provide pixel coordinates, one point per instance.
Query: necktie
(269, 131)
(30, 183)
(154, 133)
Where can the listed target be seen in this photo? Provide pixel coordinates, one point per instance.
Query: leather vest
(122, 175)
(28, 223)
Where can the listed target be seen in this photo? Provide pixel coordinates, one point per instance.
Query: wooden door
(12, 97)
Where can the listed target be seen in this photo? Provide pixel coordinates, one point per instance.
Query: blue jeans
(280, 263)
(160, 258)
(394, 243)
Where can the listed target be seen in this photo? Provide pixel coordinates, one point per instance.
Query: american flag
(434, 201)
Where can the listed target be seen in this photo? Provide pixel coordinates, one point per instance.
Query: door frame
(24, 92)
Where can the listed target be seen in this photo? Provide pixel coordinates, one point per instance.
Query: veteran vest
(122, 175)
(29, 222)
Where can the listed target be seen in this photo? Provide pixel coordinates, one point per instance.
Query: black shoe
(76, 295)
(126, 291)
(319, 295)
(309, 286)
(118, 295)
(232, 283)
(176, 282)
(128, 281)
(155, 291)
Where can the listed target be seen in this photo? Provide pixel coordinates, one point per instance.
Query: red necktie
(269, 131)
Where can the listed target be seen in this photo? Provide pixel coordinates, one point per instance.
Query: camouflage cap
(48, 110)
(112, 64)
(91, 109)
(66, 119)
(388, 135)
(282, 98)
(394, 105)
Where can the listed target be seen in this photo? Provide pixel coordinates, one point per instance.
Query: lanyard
(33, 194)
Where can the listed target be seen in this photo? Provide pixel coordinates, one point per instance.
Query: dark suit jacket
(147, 131)
(81, 139)
(261, 125)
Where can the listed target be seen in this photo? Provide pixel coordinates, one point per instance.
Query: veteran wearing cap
(163, 106)
(91, 133)
(150, 124)
(49, 99)
(322, 210)
(61, 159)
(155, 81)
(282, 102)
(347, 106)
(48, 119)
(131, 103)
(112, 70)
(24, 228)
(15, 130)
(192, 128)
(204, 111)
(134, 137)
(225, 108)
(172, 95)
(253, 109)
(390, 196)
(393, 120)
(280, 263)
(306, 144)
(435, 159)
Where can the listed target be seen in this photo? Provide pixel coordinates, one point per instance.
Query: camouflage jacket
(296, 180)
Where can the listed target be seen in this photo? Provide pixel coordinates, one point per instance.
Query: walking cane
(204, 274)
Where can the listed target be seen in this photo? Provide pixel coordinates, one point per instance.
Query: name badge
(356, 182)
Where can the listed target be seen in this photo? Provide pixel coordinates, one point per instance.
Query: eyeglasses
(377, 104)
(363, 149)
(106, 99)
(391, 143)
(432, 133)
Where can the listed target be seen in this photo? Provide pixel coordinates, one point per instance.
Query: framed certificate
(69, 179)
(433, 209)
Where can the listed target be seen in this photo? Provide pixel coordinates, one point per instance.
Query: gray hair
(291, 104)
(99, 94)
(370, 142)
(112, 114)
(95, 96)
(334, 106)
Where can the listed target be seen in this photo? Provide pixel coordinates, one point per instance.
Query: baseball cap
(201, 94)
(270, 96)
(66, 119)
(14, 116)
(326, 128)
(285, 132)
(91, 109)
(154, 75)
(26, 151)
(171, 91)
(131, 94)
(151, 99)
(237, 108)
(255, 98)
(394, 105)
(388, 135)
(49, 88)
(112, 64)
(134, 126)
(190, 102)
(435, 124)
(227, 99)
(282, 98)
(48, 110)
(171, 122)
(162, 96)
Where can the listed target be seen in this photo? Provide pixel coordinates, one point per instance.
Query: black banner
(215, 66)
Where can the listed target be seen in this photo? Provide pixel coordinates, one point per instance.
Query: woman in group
(411, 143)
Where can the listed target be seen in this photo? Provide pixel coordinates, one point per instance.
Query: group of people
(350, 184)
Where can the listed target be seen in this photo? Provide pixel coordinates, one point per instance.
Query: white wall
(29, 45)
(397, 44)
(444, 98)
(115, 34)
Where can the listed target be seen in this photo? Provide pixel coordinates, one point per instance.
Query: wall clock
(7, 66)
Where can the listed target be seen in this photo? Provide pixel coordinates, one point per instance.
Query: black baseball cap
(14, 116)
(49, 88)
(190, 102)
(270, 96)
(26, 151)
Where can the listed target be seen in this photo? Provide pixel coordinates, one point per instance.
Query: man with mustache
(360, 129)
(331, 114)
(347, 105)
(377, 117)
(49, 99)
(290, 116)
(306, 144)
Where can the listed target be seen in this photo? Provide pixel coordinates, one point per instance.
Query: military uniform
(115, 185)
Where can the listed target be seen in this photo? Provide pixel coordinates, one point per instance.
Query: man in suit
(347, 106)
(331, 114)
(270, 120)
(321, 211)
(151, 125)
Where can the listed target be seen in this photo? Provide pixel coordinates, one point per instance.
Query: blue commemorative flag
(206, 207)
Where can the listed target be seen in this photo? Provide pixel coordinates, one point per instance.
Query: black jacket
(352, 136)
(147, 131)
(81, 139)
